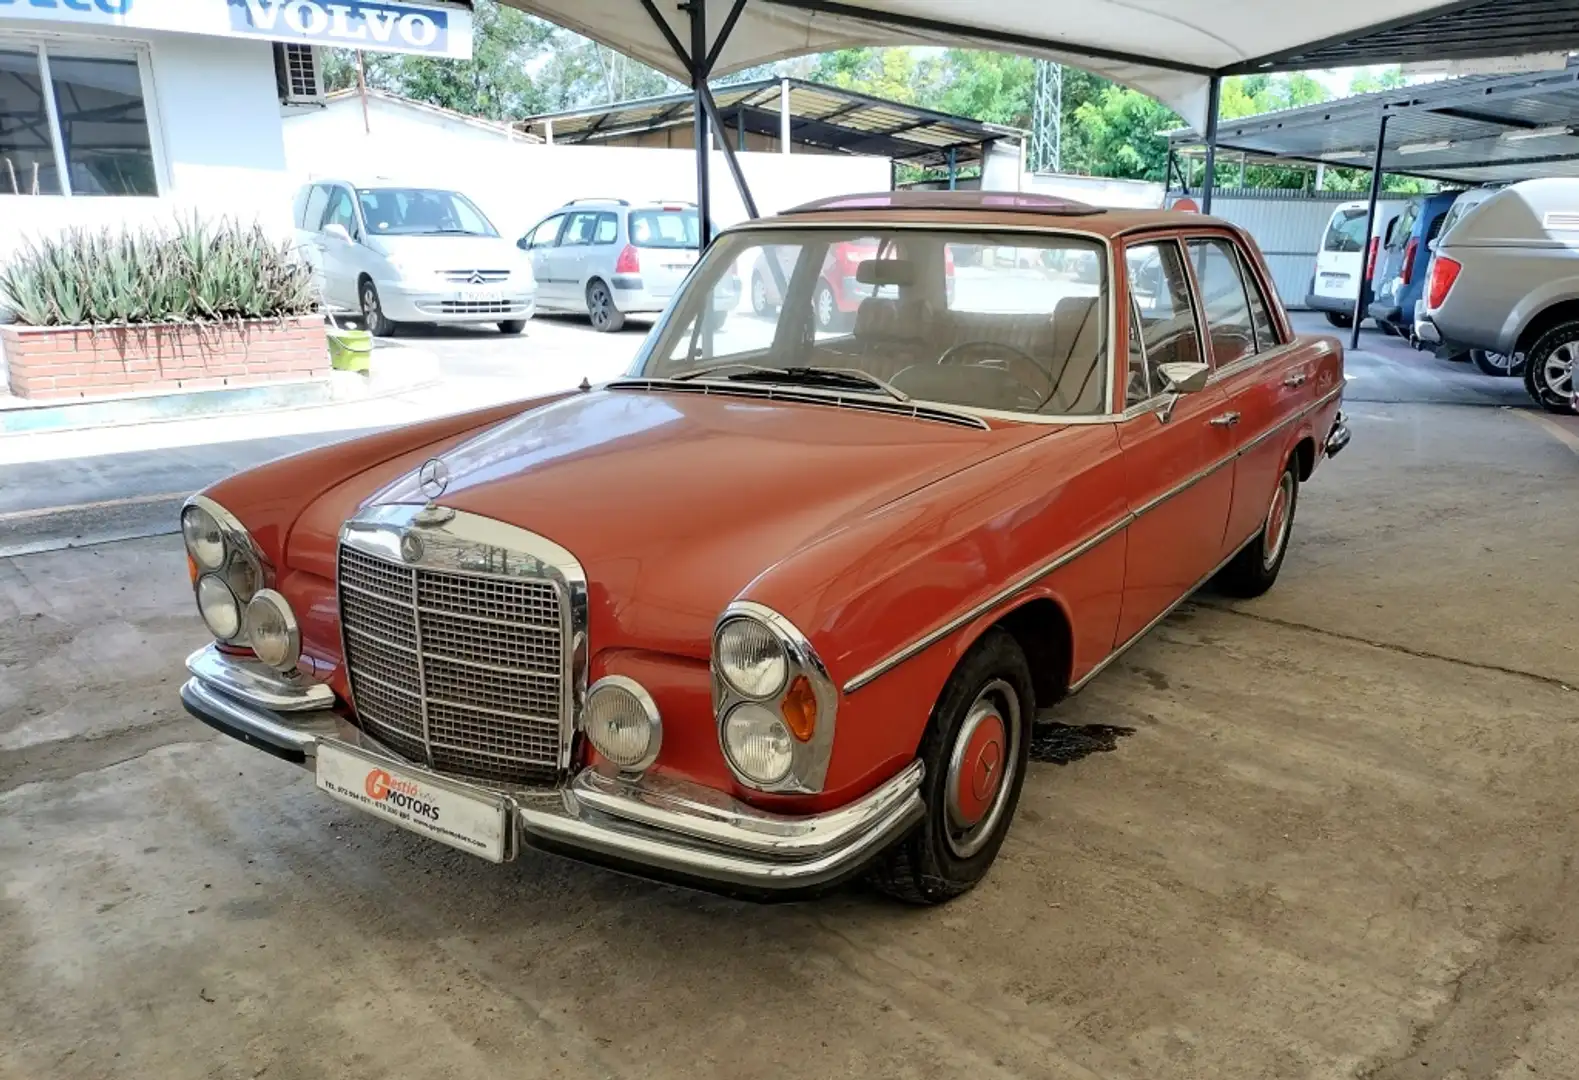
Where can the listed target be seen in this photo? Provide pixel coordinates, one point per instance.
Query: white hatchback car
(406, 254)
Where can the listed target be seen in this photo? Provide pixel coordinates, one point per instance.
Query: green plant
(193, 273)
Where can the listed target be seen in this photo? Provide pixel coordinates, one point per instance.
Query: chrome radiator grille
(463, 673)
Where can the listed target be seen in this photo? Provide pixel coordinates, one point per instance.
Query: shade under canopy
(1166, 48)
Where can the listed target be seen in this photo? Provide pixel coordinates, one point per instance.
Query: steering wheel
(1017, 358)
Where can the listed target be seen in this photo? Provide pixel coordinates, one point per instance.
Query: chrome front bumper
(666, 829)
(1338, 437)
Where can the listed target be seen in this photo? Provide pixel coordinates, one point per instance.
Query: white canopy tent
(1175, 50)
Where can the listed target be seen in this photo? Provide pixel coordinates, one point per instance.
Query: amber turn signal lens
(191, 569)
(799, 709)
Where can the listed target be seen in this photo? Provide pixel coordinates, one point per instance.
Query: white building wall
(518, 183)
(216, 124)
(1097, 190)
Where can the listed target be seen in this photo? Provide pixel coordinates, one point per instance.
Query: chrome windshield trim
(852, 399)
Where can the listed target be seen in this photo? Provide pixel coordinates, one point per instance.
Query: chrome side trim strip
(1169, 610)
(933, 637)
(920, 645)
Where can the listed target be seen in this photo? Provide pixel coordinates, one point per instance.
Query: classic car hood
(674, 502)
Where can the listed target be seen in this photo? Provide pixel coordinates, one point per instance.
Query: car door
(568, 260)
(312, 203)
(539, 243)
(341, 264)
(1263, 377)
(1177, 452)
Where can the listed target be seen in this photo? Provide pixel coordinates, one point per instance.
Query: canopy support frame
(1370, 227)
(1214, 95)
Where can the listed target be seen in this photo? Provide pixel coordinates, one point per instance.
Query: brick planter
(63, 363)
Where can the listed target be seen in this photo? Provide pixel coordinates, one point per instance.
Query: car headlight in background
(272, 631)
(621, 721)
(751, 658)
(226, 567)
(774, 702)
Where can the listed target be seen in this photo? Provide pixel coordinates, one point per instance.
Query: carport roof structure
(1477, 130)
(821, 116)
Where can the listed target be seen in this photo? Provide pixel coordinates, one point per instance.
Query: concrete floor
(1333, 838)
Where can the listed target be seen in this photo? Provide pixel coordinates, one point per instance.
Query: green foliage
(196, 273)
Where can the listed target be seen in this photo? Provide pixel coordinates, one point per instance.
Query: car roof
(599, 203)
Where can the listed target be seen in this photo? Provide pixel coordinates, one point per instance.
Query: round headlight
(758, 744)
(751, 658)
(205, 541)
(621, 721)
(272, 631)
(242, 577)
(217, 604)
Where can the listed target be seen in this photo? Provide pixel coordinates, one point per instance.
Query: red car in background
(838, 294)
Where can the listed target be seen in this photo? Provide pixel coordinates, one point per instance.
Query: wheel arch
(1545, 320)
(1304, 457)
(1040, 624)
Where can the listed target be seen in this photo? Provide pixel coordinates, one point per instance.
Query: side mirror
(523, 243)
(338, 232)
(1184, 378)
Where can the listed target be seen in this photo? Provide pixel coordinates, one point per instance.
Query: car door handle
(1295, 380)
(1227, 420)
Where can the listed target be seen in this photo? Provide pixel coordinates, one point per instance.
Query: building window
(73, 122)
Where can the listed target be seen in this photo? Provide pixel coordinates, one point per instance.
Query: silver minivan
(1505, 277)
(609, 258)
(418, 255)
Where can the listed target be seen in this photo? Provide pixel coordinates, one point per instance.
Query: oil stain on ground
(1060, 744)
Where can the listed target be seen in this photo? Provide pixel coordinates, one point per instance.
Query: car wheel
(759, 297)
(606, 318)
(1496, 364)
(1340, 320)
(975, 751)
(512, 326)
(826, 308)
(373, 312)
(1255, 569)
(1549, 368)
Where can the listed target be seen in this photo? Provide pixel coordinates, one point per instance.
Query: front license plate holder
(463, 816)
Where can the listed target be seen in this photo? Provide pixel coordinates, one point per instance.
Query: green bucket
(350, 350)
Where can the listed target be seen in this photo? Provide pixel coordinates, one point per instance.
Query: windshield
(1013, 322)
(422, 212)
(1346, 232)
(664, 228)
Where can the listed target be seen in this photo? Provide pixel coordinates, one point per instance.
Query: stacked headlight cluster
(774, 701)
(228, 579)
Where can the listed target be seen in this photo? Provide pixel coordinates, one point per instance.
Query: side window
(317, 203)
(580, 229)
(1159, 287)
(608, 229)
(546, 233)
(342, 211)
(1138, 386)
(1228, 319)
(1267, 336)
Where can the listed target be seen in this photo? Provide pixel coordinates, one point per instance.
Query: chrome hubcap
(1500, 361)
(1558, 370)
(981, 767)
(825, 307)
(759, 295)
(1277, 522)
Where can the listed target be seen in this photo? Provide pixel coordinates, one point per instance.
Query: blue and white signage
(426, 29)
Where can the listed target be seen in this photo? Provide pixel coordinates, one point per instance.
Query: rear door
(1339, 260)
(1390, 263)
(568, 260)
(665, 239)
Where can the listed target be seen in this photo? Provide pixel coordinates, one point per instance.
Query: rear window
(664, 228)
(1404, 226)
(1346, 233)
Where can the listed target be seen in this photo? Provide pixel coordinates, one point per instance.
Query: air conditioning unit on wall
(299, 74)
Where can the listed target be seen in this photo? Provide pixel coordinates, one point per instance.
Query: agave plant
(193, 272)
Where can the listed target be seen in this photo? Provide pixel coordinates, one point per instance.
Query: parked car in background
(1490, 362)
(608, 258)
(839, 293)
(1344, 255)
(405, 254)
(1505, 278)
(779, 607)
(1401, 268)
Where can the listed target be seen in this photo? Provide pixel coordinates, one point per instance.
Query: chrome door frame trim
(932, 637)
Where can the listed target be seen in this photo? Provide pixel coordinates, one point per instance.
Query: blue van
(1400, 272)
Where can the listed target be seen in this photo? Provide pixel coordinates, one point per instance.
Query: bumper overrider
(1338, 437)
(659, 828)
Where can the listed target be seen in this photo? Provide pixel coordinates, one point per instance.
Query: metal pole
(1167, 176)
(697, 9)
(740, 128)
(1370, 227)
(1214, 96)
(784, 117)
(953, 170)
(730, 159)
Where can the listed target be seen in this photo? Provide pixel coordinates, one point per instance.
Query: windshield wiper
(805, 376)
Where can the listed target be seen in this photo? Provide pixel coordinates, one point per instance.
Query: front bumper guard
(1338, 437)
(656, 827)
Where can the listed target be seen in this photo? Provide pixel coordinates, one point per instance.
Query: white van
(1343, 254)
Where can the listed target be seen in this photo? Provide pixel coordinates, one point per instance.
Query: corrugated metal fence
(1288, 225)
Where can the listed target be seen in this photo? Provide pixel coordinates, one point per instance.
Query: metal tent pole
(953, 170)
(1167, 177)
(1370, 227)
(697, 10)
(1214, 96)
(705, 96)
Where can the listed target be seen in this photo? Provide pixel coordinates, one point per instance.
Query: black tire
(1340, 320)
(1549, 368)
(512, 326)
(942, 858)
(1497, 365)
(373, 311)
(606, 318)
(759, 297)
(1255, 569)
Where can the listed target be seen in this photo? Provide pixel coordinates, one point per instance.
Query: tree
(1122, 132)
(993, 87)
(1368, 82)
